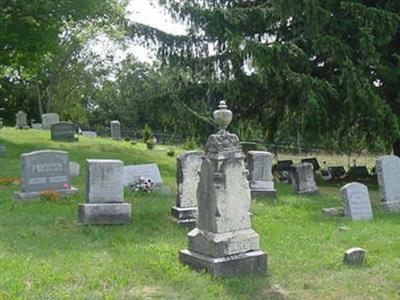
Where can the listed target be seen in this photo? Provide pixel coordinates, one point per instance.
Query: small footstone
(333, 211)
(354, 256)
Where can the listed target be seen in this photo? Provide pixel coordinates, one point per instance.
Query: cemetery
(230, 149)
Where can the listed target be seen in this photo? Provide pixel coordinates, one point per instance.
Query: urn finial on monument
(223, 140)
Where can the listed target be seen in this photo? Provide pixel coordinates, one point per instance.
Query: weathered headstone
(388, 172)
(42, 171)
(313, 161)
(36, 126)
(21, 120)
(115, 130)
(49, 119)
(104, 194)
(187, 177)
(63, 131)
(91, 134)
(356, 203)
(303, 181)
(259, 164)
(74, 169)
(223, 243)
(354, 256)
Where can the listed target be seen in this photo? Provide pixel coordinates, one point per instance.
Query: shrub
(190, 144)
(147, 133)
(171, 152)
(150, 144)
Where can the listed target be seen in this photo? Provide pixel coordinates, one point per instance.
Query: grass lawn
(44, 254)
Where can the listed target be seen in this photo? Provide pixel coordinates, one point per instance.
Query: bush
(190, 144)
(150, 144)
(171, 152)
(147, 133)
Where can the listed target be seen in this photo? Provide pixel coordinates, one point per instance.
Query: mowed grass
(44, 254)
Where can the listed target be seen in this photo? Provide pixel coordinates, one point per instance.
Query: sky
(141, 11)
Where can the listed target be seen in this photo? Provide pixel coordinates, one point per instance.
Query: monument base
(104, 213)
(393, 206)
(255, 193)
(184, 215)
(33, 195)
(308, 192)
(233, 265)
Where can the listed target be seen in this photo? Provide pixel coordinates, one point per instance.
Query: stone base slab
(391, 206)
(308, 192)
(104, 213)
(223, 244)
(185, 215)
(234, 265)
(255, 193)
(33, 195)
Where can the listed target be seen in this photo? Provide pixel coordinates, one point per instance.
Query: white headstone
(388, 172)
(356, 202)
(49, 119)
(36, 126)
(91, 134)
(104, 181)
(259, 164)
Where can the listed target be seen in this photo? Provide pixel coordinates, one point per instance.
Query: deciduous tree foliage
(327, 67)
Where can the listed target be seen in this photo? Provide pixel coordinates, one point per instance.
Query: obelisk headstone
(388, 172)
(223, 243)
(259, 164)
(187, 177)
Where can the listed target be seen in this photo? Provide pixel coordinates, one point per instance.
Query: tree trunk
(396, 147)
(39, 98)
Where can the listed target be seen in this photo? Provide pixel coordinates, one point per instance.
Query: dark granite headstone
(359, 172)
(63, 131)
(337, 172)
(283, 165)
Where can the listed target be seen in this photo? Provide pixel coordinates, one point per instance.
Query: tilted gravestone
(388, 172)
(303, 180)
(49, 119)
(223, 243)
(21, 120)
(104, 194)
(115, 127)
(187, 178)
(43, 171)
(259, 164)
(356, 202)
(63, 131)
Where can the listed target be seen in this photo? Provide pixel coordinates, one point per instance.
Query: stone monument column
(223, 243)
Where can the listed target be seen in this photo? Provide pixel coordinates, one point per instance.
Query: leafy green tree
(327, 65)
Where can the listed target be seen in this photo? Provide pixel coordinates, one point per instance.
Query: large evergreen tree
(327, 67)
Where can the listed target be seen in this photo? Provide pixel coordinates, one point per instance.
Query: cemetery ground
(45, 254)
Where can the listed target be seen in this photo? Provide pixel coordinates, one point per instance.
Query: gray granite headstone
(303, 180)
(356, 202)
(223, 242)
(49, 119)
(104, 194)
(388, 172)
(148, 171)
(187, 178)
(63, 131)
(259, 164)
(44, 170)
(115, 130)
(36, 126)
(21, 120)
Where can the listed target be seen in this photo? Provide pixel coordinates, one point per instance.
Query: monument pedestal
(104, 213)
(32, 195)
(262, 189)
(232, 265)
(185, 215)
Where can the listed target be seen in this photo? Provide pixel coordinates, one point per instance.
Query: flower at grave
(66, 186)
(143, 184)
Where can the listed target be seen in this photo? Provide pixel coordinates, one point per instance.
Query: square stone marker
(356, 202)
(115, 127)
(104, 181)
(44, 170)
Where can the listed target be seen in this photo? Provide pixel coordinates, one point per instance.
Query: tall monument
(223, 243)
